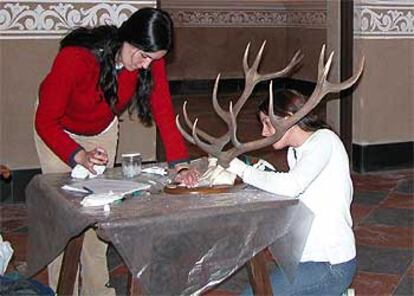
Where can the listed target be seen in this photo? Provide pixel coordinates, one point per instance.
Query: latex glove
(263, 165)
(237, 167)
(216, 175)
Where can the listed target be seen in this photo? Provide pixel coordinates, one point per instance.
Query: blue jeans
(313, 278)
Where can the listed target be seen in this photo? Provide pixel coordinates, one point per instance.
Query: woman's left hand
(188, 177)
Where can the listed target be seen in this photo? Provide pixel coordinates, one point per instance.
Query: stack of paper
(105, 191)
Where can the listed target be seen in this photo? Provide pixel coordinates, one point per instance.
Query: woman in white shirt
(319, 176)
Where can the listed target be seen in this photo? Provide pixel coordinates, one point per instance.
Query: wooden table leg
(134, 288)
(69, 268)
(258, 275)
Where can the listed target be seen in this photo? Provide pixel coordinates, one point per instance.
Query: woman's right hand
(88, 159)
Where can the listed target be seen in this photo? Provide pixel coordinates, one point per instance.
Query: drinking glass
(131, 164)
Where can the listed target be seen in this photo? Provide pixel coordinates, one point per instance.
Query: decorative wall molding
(204, 18)
(384, 19)
(247, 13)
(248, 18)
(52, 19)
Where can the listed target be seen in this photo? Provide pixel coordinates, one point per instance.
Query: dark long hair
(148, 29)
(287, 102)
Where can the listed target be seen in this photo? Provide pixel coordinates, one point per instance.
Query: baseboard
(380, 157)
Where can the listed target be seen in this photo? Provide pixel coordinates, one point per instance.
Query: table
(174, 244)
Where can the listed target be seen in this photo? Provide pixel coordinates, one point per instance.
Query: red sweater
(69, 99)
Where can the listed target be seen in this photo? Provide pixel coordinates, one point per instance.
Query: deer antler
(281, 125)
(252, 78)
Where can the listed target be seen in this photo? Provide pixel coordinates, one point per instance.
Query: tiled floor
(383, 213)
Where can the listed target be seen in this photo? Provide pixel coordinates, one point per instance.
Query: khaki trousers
(93, 270)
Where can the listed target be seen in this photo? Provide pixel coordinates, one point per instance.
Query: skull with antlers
(214, 146)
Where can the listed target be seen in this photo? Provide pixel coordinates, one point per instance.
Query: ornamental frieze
(52, 19)
(384, 19)
(247, 18)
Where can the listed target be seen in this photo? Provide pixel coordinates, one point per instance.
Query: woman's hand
(88, 159)
(188, 177)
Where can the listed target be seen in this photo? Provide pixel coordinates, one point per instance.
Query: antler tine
(240, 148)
(190, 124)
(182, 131)
(210, 149)
(321, 62)
(223, 114)
(337, 87)
(258, 58)
(233, 128)
(327, 68)
(294, 62)
(323, 86)
(252, 77)
(245, 57)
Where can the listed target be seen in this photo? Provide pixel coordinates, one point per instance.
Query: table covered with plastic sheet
(174, 244)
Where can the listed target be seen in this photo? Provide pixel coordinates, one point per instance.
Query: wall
(211, 35)
(383, 110)
(384, 105)
(29, 36)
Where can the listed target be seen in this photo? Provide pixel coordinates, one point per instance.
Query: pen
(87, 189)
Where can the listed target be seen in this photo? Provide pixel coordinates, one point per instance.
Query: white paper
(155, 170)
(100, 199)
(80, 172)
(99, 186)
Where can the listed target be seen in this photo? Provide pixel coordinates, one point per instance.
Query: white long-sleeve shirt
(319, 176)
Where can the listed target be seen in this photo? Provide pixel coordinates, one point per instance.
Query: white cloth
(216, 175)
(80, 172)
(155, 170)
(100, 199)
(319, 175)
(6, 252)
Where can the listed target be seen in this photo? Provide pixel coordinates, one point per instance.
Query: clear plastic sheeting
(174, 244)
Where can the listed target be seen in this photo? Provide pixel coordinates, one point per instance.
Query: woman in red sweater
(100, 72)
(97, 74)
